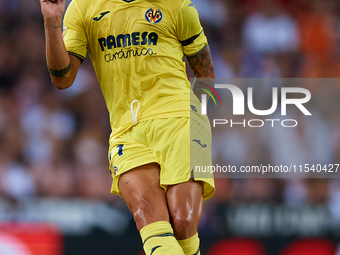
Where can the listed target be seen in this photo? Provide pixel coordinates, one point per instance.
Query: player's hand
(52, 9)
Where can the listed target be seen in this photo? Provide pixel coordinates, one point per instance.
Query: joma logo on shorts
(199, 142)
(125, 40)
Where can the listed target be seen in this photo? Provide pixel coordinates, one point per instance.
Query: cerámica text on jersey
(127, 53)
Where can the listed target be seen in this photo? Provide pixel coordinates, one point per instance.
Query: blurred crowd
(54, 143)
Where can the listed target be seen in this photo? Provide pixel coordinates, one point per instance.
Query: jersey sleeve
(189, 30)
(73, 32)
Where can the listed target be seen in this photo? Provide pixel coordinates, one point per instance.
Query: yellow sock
(191, 246)
(158, 239)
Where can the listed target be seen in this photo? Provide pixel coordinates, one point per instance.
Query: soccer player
(137, 49)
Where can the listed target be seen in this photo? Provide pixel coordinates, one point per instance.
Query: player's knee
(143, 210)
(183, 225)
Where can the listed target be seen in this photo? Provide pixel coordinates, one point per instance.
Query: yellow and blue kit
(137, 49)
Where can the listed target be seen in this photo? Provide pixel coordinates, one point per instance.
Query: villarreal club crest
(153, 15)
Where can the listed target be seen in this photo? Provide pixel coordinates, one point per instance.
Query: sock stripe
(161, 235)
(154, 248)
(198, 250)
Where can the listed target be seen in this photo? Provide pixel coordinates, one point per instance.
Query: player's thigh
(185, 202)
(143, 195)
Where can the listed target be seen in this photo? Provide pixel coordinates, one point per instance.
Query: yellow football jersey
(137, 49)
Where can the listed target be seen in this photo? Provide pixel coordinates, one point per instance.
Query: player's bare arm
(203, 67)
(63, 68)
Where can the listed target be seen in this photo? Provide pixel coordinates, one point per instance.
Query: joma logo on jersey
(125, 40)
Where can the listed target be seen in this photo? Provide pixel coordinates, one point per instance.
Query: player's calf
(185, 229)
(147, 202)
(185, 214)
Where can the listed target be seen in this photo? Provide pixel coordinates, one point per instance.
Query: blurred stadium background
(54, 177)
